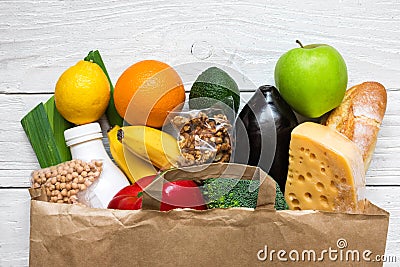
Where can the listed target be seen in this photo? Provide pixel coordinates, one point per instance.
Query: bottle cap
(82, 133)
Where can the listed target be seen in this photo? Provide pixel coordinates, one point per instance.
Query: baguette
(360, 115)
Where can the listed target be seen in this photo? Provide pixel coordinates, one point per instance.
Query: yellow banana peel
(158, 147)
(134, 167)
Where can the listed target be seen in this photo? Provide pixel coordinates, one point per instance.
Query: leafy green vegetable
(38, 130)
(58, 125)
(112, 115)
(228, 193)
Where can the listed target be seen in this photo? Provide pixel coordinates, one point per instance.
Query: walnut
(203, 139)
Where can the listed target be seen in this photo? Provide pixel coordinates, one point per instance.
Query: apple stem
(301, 45)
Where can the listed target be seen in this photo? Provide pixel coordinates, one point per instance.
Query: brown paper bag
(72, 235)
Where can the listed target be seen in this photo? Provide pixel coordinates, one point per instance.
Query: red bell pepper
(178, 194)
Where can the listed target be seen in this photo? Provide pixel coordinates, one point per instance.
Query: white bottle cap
(82, 133)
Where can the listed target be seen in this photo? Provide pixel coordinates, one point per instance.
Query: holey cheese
(326, 171)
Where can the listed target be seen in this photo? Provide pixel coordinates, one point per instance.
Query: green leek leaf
(58, 125)
(112, 115)
(40, 134)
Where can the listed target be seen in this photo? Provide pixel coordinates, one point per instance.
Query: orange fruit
(147, 91)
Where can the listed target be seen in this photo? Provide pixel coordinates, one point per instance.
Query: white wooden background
(39, 39)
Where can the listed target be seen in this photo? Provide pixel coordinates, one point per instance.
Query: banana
(133, 167)
(151, 144)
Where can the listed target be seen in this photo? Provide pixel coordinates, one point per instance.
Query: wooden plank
(14, 227)
(17, 159)
(41, 41)
(14, 223)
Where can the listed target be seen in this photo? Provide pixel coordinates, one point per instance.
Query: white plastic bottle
(85, 143)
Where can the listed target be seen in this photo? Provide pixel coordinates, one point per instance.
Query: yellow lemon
(82, 93)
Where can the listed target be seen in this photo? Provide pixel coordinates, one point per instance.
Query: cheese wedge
(326, 170)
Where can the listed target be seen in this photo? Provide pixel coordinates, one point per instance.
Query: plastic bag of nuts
(204, 136)
(67, 182)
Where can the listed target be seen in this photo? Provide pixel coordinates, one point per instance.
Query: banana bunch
(133, 166)
(150, 144)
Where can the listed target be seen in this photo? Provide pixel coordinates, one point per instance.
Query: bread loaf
(360, 115)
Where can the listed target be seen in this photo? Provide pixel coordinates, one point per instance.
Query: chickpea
(79, 169)
(64, 192)
(98, 163)
(36, 178)
(64, 181)
(35, 174)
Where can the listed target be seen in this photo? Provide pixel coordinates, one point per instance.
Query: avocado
(212, 86)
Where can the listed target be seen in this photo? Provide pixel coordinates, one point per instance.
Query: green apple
(312, 79)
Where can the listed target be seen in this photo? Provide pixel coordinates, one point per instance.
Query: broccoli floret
(228, 193)
(280, 202)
